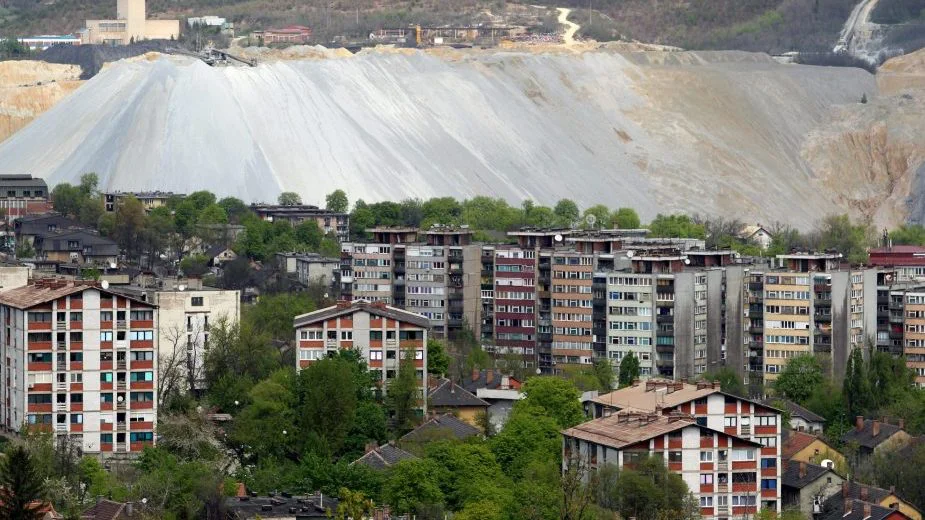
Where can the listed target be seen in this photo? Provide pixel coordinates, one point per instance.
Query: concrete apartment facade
(328, 221)
(80, 361)
(22, 195)
(130, 25)
(380, 333)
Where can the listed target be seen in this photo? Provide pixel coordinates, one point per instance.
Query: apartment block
(328, 221)
(380, 333)
(709, 407)
(721, 470)
(80, 361)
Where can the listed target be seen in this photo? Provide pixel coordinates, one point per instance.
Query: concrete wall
(735, 311)
(684, 325)
(714, 318)
(13, 276)
(841, 323)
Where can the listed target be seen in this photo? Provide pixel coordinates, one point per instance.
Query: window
(706, 501)
(706, 479)
(141, 355)
(77, 316)
(767, 442)
(141, 315)
(743, 454)
(39, 317)
(105, 336)
(141, 376)
(729, 422)
(768, 463)
(743, 500)
(674, 456)
(39, 399)
(137, 397)
(106, 398)
(196, 301)
(744, 478)
(375, 355)
(77, 357)
(77, 418)
(105, 315)
(706, 456)
(105, 438)
(77, 337)
(141, 335)
(346, 335)
(767, 420)
(769, 483)
(77, 377)
(106, 377)
(141, 437)
(44, 357)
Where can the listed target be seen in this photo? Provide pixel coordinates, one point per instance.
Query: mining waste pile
(29, 88)
(728, 133)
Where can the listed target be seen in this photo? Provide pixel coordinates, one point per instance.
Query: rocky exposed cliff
(29, 88)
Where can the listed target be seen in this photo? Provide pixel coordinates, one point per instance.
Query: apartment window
(77, 377)
(744, 478)
(767, 442)
(140, 355)
(77, 357)
(44, 357)
(744, 500)
(77, 337)
(141, 335)
(706, 501)
(141, 437)
(768, 463)
(77, 316)
(105, 315)
(743, 453)
(769, 483)
(375, 355)
(39, 399)
(77, 418)
(346, 335)
(39, 317)
(767, 420)
(141, 376)
(141, 396)
(105, 438)
(706, 456)
(106, 398)
(706, 479)
(106, 377)
(196, 301)
(105, 336)
(729, 422)
(674, 456)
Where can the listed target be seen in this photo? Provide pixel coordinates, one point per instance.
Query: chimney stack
(370, 446)
(717, 385)
(802, 469)
(901, 424)
(129, 509)
(475, 374)
(505, 382)
(859, 423)
(892, 490)
(489, 376)
(865, 493)
(866, 510)
(876, 428)
(845, 488)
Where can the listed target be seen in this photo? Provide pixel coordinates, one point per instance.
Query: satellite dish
(687, 261)
(163, 256)
(591, 220)
(113, 265)
(557, 238)
(736, 255)
(630, 253)
(120, 398)
(181, 287)
(105, 284)
(828, 463)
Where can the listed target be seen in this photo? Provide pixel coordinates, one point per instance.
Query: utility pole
(589, 14)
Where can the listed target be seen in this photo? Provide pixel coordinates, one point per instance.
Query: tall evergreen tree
(20, 486)
(856, 387)
(402, 393)
(629, 370)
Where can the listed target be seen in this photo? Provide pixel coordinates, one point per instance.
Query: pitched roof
(376, 309)
(446, 423)
(248, 507)
(834, 509)
(57, 241)
(104, 510)
(795, 410)
(47, 290)
(865, 436)
(489, 379)
(624, 429)
(791, 477)
(383, 457)
(216, 250)
(449, 394)
(798, 441)
(654, 393)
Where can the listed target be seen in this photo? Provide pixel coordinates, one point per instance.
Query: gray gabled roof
(445, 423)
(376, 309)
(449, 394)
(834, 509)
(866, 438)
(796, 410)
(384, 457)
(790, 476)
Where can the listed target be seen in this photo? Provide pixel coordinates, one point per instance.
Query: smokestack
(802, 469)
(876, 428)
(859, 423)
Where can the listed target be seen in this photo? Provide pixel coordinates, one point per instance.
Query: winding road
(856, 33)
(572, 28)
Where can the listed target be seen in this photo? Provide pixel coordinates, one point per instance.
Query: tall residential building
(130, 25)
(747, 423)
(328, 221)
(22, 195)
(80, 361)
(380, 333)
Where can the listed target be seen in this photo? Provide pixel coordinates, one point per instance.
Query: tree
(603, 372)
(802, 375)
(729, 381)
(600, 215)
(401, 393)
(626, 218)
(554, 397)
(856, 386)
(194, 265)
(289, 198)
(413, 483)
(235, 209)
(904, 469)
(648, 492)
(438, 362)
(337, 201)
(20, 486)
(265, 428)
(130, 221)
(676, 226)
(629, 370)
(327, 401)
(352, 505)
(237, 349)
(566, 212)
(852, 240)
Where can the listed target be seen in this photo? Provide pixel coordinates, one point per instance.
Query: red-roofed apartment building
(721, 470)
(288, 34)
(80, 361)
(711, 408)
(380, 333)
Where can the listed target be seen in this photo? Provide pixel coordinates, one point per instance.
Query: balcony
(745, 429)
(121, 364)
(62, 365)
(722, 465)
(121, 324)
(62, 345)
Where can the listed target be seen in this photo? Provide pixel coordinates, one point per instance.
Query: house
(298, 34)
(309, 268)
(439, 427)
(383, 457)
(31, 227)
(805, 447)
(130, 25)
(845, 506)
(807, 486)
(498, 390)
(801, 419)
(445, 396)
(219, 254)
(757, 234)
(880, 497)
(724, 472)
(22, 195)
(875, 436)
(110, 510)
(328, 221)
(77, 247)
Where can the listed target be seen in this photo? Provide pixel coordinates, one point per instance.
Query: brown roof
(654, 393)
(376, 309)
(797, 441)
(104, 510)
(48, 290)
(623, 429)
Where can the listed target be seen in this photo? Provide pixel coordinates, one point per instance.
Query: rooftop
(383, 457)
(655, 393)
(282, 506)
(449, 394)
(840, 507)
(43, 291)
(490, 379)
(795, 410)
(627, 428)
(795, 442)
(441, 425)
(800, 474)
(377, 309)
(871, 433)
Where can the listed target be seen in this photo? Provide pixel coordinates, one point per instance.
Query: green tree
(852, 240)
(194, 265)
(600, 215)
(413, 483)
(438, 362)
(554, 397)
(629, 370)
(603, 372)
(402, 391)
(566, 212)
(802, 375)
(626, 218)
(676, 226)
(235, 209)
(20, 486)
(265, 428)
(352, 505)
(856, 386)
(237, 349)
(441, 210)
(337, 201)
(649, 492)
(470, 474)
(327, 401)
(908, 234)
(729, 381)
(289, 198)
(903, 469)
(129, 225)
